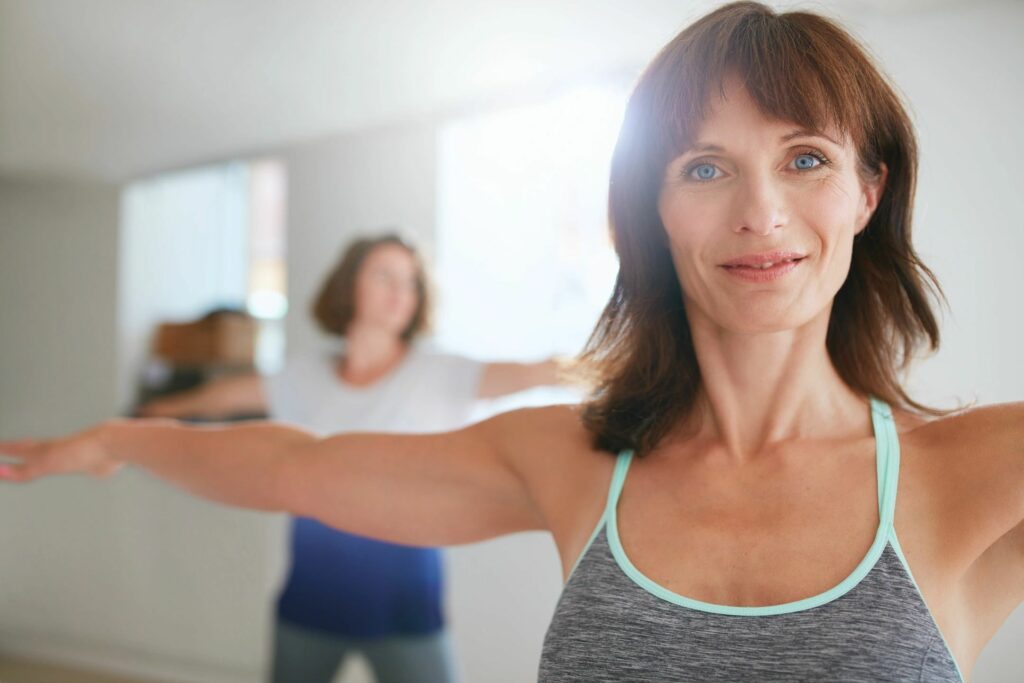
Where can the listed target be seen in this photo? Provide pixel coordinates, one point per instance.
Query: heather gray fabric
(613, 624)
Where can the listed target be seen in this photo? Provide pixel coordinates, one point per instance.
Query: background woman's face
(386, 294)
(756, 187)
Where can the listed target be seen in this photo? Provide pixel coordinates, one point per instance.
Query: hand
(81, 453)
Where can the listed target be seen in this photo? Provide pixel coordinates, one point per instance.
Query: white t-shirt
(429, 391)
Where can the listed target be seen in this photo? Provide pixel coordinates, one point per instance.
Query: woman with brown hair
(772, 484)
(345, 593)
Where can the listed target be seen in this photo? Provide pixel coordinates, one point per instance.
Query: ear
(871, 193)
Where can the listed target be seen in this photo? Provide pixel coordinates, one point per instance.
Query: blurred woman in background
(346, 593)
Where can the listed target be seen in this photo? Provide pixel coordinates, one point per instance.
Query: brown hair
(335, 306)
(797, 67)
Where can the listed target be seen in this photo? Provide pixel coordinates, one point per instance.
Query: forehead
(732, 115)
(390, 256)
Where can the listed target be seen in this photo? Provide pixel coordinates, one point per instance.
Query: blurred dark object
(185, 356)
(224, 336)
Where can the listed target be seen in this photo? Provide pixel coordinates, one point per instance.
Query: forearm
(182, 404)
(237, 465)
(219, 398)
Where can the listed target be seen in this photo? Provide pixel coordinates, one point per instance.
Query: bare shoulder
(993, 429)
(967, 448)
(966, 471)
(567, 477)
(544, 440)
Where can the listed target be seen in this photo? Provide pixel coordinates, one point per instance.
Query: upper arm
(994, 475)
(963, 496)
(1013, 442)
(426, 489)
(974, 466)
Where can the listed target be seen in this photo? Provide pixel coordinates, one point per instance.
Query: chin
(764, 320)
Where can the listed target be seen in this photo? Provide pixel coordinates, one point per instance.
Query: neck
(762, 389)
(371, 349)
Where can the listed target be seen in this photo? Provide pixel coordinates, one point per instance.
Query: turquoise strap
(887, 459)
(618, 479)
(614, 489)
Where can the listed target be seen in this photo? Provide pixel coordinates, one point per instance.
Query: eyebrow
(798, 133)
(803, 133)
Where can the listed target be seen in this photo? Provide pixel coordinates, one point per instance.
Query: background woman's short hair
(334, 307)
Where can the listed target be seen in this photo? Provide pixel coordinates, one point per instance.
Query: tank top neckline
(887, 456)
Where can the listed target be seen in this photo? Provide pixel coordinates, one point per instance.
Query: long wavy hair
(798, 67)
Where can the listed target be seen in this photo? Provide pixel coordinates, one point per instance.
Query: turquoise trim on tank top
(887, 458)
(618, 478)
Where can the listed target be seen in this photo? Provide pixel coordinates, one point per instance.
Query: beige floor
(20, 671)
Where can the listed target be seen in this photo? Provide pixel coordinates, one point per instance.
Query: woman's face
(386, 295)
(760, 217)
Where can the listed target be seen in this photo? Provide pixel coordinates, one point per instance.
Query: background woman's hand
(81, 453)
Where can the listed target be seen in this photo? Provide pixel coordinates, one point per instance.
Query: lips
(763, 267)
(764, 260)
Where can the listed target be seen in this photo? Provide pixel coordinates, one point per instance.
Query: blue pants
(308, 656)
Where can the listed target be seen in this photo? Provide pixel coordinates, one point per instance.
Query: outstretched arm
(436, 489)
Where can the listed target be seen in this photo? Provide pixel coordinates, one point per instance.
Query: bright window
(524, 258)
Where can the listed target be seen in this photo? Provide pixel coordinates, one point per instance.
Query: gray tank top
(614, 625)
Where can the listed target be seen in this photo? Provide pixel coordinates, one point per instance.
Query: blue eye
(805, 162)
(703, 172)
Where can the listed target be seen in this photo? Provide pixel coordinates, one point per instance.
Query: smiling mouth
(766, 265)
(763, 271)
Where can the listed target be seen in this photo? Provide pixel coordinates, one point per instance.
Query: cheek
(690, 226)
(830, 211)
(409, 301)
(832, 203)
(368, 296)
(686, 215)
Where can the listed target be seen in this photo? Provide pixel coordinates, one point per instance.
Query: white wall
(58, 267)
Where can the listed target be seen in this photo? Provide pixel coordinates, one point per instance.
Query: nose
(760, 207)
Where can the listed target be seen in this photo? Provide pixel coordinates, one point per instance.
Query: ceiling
(115, 89)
